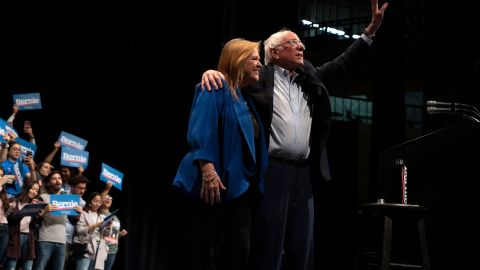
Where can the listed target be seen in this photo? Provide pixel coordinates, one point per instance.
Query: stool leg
(423, 244)
(363, 230)
(387, 243)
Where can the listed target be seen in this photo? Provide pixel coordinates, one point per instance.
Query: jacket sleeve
(204, 124)
(338, 67)
(81, 229)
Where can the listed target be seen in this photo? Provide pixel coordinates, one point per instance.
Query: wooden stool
(390, 213)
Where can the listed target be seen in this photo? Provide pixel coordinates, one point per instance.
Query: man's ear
(274, 52)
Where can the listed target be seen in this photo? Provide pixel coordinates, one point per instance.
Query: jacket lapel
(245, 122)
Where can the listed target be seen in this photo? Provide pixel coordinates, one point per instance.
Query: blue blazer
(220, 131)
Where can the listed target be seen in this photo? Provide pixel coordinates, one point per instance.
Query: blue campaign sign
(69, 140)
(3, 129)
(108, 218)
(74, 158)
(26, 146)
(11, 130)
(65, 204)
(109, 174)
(30, 101)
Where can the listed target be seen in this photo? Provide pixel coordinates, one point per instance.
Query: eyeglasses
(293, 43)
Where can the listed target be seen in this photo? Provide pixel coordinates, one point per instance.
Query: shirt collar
(285, 73)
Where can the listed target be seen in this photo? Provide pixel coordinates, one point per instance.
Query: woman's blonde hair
(234, 54)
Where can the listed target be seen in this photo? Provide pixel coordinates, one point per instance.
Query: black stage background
(121, 75)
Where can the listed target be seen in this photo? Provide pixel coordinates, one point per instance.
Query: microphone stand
(467, 111)
(463, 110)
(470, 118)
(468, 107)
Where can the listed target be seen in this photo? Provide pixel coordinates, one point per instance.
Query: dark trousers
(221, 235)
(3, 241)
(283, 223)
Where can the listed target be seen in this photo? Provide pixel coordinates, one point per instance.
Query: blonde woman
(226, 162)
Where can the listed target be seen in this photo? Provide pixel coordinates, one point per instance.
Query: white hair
(273, 41)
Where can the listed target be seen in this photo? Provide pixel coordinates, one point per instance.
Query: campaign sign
(110, 174)
(26, 146)
(69, 140)
(74, 158)
(65, 204)
(3, 129)
(29, 101)
(31, 209)
(108, 218)
(11, 130)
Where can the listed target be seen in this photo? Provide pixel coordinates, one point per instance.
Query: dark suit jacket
(311, 79)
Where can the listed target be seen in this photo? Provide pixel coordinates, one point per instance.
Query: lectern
(443, 176)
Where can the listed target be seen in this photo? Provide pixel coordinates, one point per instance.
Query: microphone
(434, 103)
(435, 110)
(437, 107)
(460, 109)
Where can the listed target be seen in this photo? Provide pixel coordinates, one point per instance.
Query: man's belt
(292, 162)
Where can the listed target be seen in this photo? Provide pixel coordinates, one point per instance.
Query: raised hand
(377, 17)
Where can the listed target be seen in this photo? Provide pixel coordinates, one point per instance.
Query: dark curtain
(122, 74)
